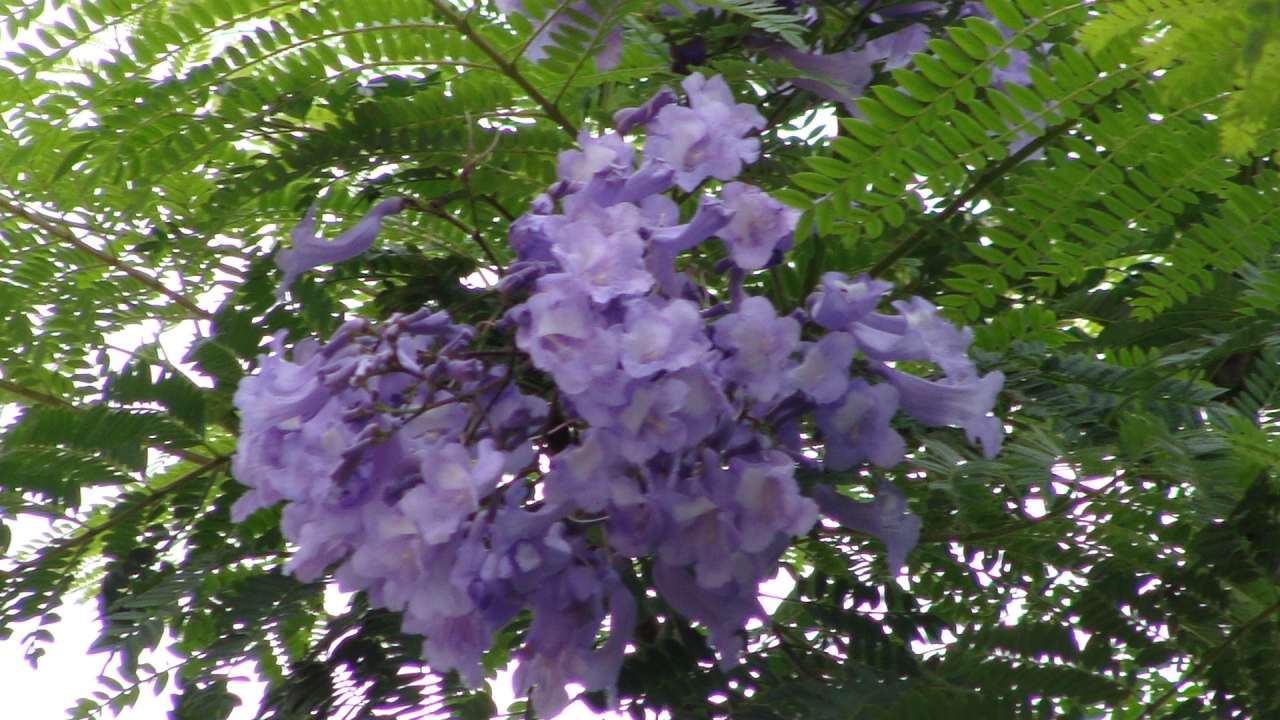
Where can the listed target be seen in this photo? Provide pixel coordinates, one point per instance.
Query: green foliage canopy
(1110, 229)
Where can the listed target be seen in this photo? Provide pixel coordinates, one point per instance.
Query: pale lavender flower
(705, 406)
(453, 483)
(760, 226)
(703, 536)
(916, 333)
(885, 518)
(608, 266)
(856, 428)
(757, 342)
(532, 234)
(662, 336)
(840, 77)
(768, 502)
(896, 48)
(323, 535)
(965, 401)
(666, 243)
(309, 251)
(646, 424)
(839, 302)
(823, 374)
(628, 118)
(583, 475)
(605, 156)
(282, 389)
(707, 139)
(562, 334)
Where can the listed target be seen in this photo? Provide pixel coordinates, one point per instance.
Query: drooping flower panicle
(418, 469)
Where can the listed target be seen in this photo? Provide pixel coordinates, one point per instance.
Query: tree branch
(1209, 659)
(39, 398)
(956, 205)
(50, 225)
(506, 68)
(75, 541)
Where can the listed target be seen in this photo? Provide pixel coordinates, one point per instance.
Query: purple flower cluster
(412, 463)
(403, 460)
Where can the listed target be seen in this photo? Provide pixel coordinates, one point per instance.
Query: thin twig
(1067, 507)
(506, 68)
(50, 225)
(1210, 658)
(961, 200)
(40, 398)
(79, 541)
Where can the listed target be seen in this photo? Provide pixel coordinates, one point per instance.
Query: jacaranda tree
(552, 329)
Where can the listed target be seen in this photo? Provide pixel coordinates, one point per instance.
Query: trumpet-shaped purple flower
(666, 243)
(628, 119)
(309, 251)
(453, 484)
(885, 518)
(608, 266)
(768, 501)
(916, 333)
(856, 428)
(760, 226)
(599, 157)
(964, 401)
(840, 77)
(757, 342)
(896, 48)
(584, 475)
(823, 374)
(648, 423)
(706, 139)
(667, 337)
(838, 302)
(604, 171)
(560, 331)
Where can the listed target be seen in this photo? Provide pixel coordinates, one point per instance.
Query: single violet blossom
(309, 251)
(823, 374)
(885, 518)
(757, 342)
(856, 428)
(916, 333)
(627, 119)
(768, 501)
(966, 402)
(838, 302)
(760, 226)
(668, 337)
(706, 139)
(607, 266)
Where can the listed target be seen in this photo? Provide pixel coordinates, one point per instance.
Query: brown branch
(506, 68)
(51, 226)
(961, 200)
(75, 541)
(1210, 658)
(35, 396)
